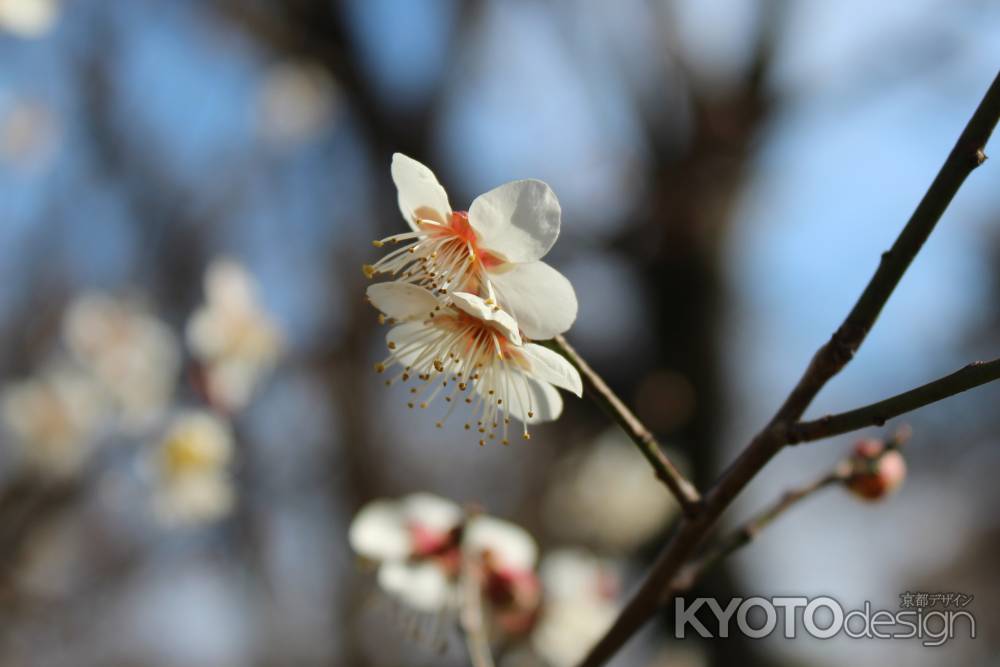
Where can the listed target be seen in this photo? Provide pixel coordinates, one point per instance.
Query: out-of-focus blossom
(415, 541)
(451, 346)
(578, 608)
(296, 102)
(493, 250)
(133, 355)
(193, 483)
(423, 544)
(608, 496)
(54, 418)
(506, 555)
(28, 133)
(28, 18)
(875, 472)
(232, 336)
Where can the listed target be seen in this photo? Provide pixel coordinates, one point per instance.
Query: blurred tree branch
(965, 156)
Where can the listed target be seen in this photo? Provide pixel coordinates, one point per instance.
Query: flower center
(438, 256)
(453, 352)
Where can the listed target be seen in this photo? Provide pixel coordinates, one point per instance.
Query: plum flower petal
(378, 532)
(422, 586)
(236, 341)
(193, 482)
(469, 343)
(540, 298)
(509, 545)
(401, 301)
(421, 197)
(580, 592)
(492, 250)
(519, 221)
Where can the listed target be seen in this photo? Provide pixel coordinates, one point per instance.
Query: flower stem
(683, 490)
(830, 359)
(471, 616)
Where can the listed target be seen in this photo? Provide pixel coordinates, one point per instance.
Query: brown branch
(683, 490)
(745, 534)
(966, 155)
(876, 414)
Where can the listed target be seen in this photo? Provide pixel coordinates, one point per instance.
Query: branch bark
(694, 570)
(966, 155)
(684, 491)
(876, 414)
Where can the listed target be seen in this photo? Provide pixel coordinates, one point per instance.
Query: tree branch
(684, 491)
(966, 155)
(695, 569)
(876, 414)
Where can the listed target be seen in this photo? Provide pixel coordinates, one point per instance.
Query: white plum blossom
(54, 418)
(232, 336)
(422, 542)
(415, 542)
(469, 344)
(608, 496)
(579, 605)
(28, 19)
(193, 483)
(493, 250)
(134, 356)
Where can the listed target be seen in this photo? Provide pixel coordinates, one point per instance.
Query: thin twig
(876, 414)
(684, 491)
(471, 616)
(966, 155)
(745, 534)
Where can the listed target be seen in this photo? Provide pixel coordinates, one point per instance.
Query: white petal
(497, 318)
(540, 298)
(432, 511)
(527, 395)
(552, 367)
(401, 301)
(421, 197)
(401, 335)
(511, 545)
(378, 532)
(575, 574)
(422, 586)
(518, 220)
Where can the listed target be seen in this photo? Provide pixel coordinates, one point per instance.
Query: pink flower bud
(875, 473)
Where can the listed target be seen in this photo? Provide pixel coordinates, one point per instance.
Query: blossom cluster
(468, 294)
(428, 548)
(115, 378)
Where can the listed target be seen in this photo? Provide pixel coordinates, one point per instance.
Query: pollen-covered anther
(369, 270)
(392, 345)
(380, 368)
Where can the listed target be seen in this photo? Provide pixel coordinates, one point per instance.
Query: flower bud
(875, 471)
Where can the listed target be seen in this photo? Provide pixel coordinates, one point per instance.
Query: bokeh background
(729, 173)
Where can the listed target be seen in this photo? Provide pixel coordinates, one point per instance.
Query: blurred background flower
(728, 172)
